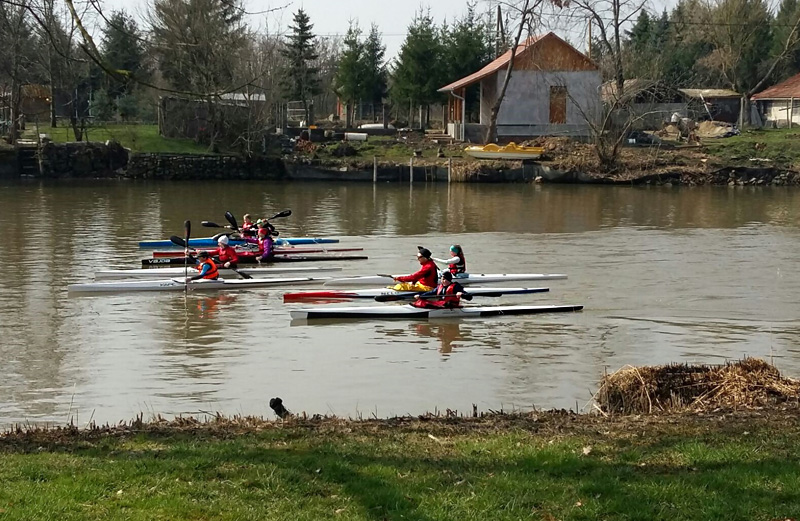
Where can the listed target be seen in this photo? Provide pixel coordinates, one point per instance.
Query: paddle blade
(231, 219)
(243, 274)
(178, 241)
(209, 224)
(285, 213)
(392, 298)
(385, 275)
(187, 229)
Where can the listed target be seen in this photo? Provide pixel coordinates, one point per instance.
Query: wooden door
(558, 105)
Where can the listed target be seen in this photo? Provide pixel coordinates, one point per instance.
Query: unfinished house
(554, 90)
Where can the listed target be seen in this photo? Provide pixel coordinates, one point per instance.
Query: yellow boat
(509, 151)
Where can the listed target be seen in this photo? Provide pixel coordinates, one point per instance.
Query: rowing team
(431, 285)
(228, 258)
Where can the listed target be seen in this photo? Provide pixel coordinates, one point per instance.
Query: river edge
(726, 464)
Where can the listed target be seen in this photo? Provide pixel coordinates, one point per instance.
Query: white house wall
(526, 107)
(777, 113)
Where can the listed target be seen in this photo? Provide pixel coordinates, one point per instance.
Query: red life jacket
(459, 267)
(213, 273)
(227, 254)
(449, 293)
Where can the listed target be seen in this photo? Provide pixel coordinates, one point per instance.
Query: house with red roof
(554, 90)
(779, 105)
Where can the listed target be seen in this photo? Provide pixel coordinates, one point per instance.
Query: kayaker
(422, 280)
(226, 254)
(265, 242)
(206, 267)
(451, 292)
(248, 226)
(457, 263)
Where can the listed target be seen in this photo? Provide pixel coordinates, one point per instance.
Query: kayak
(202, 242)
(388, 292)
(474, 278)
(251, 251)
(180, 261)
(178, 272)
(411, 312)
(179, 285)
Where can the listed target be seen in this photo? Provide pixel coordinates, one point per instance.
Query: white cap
(223, 240)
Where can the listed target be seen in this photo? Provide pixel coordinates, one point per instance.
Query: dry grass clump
(678, 387)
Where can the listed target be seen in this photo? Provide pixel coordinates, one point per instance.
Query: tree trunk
(13, 132)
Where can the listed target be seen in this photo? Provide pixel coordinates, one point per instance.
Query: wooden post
(791, 112)
(374, 169)
(449, 170)
(411, 170)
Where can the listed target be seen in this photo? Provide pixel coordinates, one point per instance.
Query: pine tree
(124, 51)
(302, 80)
(351, 73)
(374, 67)
(787, 15)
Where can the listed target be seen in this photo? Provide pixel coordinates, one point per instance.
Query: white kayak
(392, 294)
(151, 274)
(179, 285)
(472, 278)
(411, 312)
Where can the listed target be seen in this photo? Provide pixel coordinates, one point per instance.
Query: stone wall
(196, 167)
(8, 163)
(81, 160)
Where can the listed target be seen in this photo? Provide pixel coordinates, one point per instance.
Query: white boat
(179, 285)
(151, 274)
(414, 313)
(389, 294)
(472, 278)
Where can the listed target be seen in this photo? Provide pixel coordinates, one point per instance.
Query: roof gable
(542, 53)
(786, 89)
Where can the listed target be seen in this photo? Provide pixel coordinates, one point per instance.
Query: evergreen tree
(123, 50)
(302, 80)
(349, 81)
(374, 67)
(787, 15)
(418, 73)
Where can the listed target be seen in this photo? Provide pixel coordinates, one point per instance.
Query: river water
(666, 274)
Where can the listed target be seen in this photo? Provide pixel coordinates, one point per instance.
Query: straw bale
(678, 387)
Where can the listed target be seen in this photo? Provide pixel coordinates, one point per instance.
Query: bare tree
(16, 62)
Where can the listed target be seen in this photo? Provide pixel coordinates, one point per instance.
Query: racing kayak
(204, 242)
(180, 261)
(250, 251)
(411, 312)
(388, 292)
(474, 278)
(179, 285)
(178, 272)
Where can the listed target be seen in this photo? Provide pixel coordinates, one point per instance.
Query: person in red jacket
(447, 294)
(422, 280)
(226, 254)
(265, 242)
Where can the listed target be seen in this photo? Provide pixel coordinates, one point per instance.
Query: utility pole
(589, 53)
(500, 35)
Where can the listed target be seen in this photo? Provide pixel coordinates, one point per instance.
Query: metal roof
(711, 93)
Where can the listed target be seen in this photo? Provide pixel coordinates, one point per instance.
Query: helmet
(263, 231)
(223, 240)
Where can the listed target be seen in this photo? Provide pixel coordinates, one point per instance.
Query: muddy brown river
(702, 275)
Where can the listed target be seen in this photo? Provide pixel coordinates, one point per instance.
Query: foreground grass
(780, 146)
(139, 138)
(559, 467)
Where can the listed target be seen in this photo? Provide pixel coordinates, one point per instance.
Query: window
(558, 104)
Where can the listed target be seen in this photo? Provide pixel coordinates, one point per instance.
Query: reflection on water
(697, 275)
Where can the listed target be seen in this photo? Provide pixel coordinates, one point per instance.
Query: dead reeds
(747, 383)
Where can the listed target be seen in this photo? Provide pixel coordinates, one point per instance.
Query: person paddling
(248, 226)
(206, 267)
(451, 293)
(422, 280)
(265, 242)
(226, 254)
(457, 263)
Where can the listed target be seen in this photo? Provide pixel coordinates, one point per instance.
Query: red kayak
(247, 252)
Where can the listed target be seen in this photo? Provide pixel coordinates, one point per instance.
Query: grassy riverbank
(545, 466)
(139, 138)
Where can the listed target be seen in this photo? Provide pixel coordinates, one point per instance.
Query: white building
(554, 90)
(779, 105)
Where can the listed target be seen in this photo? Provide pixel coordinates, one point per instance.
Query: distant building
(189, 117)
(34, 104)
(714, 104)
(553, 90)
(779, 105)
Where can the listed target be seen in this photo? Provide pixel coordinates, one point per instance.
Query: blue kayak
(207, 242)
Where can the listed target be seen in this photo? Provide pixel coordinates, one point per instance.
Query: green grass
(139, 138)
(781, 146)
(430, 472)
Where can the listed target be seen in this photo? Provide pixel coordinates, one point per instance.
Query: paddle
(411, 296)
(209, 224)
(187, 229)
(180, 242)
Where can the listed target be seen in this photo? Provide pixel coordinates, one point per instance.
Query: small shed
(553, 90)
(714, 104)
(779, 105)
(643, 104)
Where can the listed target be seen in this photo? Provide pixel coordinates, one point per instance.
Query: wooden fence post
(374, 169)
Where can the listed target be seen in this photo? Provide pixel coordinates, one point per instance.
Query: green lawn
(139, 138)
(781, 146)
(547, 469)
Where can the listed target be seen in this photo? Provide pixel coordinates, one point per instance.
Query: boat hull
(473, 278)
(388, 292)
(180, 261)
(410, 312)
(178, 272)
(202, 242)
(179, 285)
(165, 254)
